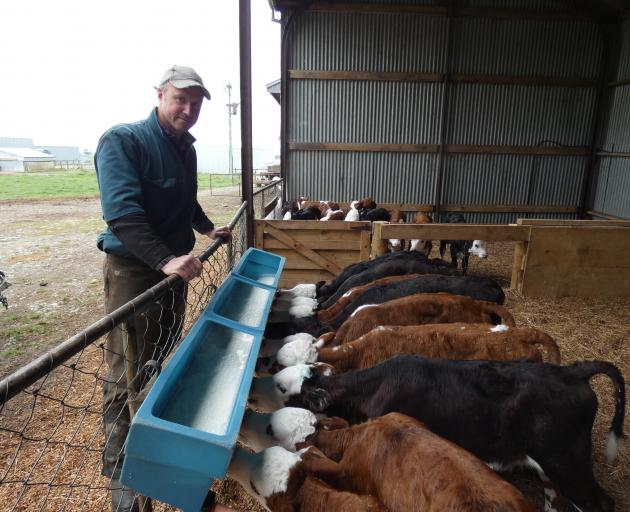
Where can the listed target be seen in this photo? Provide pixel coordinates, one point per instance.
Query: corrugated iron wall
(378, 112)
(611, 182)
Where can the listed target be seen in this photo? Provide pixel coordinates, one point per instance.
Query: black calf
(503, 412)
(460, 249)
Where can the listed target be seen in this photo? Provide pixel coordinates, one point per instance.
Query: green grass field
(76, 183)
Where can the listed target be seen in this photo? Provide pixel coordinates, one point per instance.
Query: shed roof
(602, 10)
(27, 153)
(273, 88)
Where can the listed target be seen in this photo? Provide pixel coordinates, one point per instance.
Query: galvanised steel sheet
(616, 135)
(520, 115)
(398, 2)
(521, 47)
(623, 70)
(613, 183)
(513, 179)
(510, 218)
(344, 41)
(375, 112)
(346, 176)
(364, 112)
(547, 5)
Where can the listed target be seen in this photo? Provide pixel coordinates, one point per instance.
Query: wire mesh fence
(267, 198)
(221, 184)
(52, 428)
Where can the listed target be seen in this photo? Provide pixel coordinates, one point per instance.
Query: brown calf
(367, 203)
(326, 314)
(422, 308)
(408, 468)
(282, 481)
(424, 246)
(315, 495)
(446, 341)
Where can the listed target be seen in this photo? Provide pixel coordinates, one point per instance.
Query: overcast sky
(73, 68)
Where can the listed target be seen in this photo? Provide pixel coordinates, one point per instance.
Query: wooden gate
(314, 251)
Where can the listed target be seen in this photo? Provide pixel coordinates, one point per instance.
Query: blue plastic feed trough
(182, 437)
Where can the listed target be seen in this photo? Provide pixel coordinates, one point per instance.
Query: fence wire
(266, 198)
(52, 432)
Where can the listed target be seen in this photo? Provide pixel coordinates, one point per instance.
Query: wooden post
(379, 246)
(520, 250)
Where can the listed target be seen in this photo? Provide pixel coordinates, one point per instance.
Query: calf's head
(478, 248)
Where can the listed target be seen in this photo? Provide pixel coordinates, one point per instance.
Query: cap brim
(184, 84)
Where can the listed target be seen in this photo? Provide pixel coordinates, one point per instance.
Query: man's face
(178, 109)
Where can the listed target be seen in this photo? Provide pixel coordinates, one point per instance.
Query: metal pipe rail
(44, 364)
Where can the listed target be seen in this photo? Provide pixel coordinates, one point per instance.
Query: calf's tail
(588, 369)
(499, 315)
(551, 347)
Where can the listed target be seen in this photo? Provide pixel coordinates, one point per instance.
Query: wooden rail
(552, 258)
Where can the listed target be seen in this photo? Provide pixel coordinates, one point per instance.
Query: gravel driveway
(48, 253)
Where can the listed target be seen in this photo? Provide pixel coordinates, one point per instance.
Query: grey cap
(183, 77)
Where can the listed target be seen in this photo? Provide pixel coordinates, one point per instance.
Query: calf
(422, 308)
(288, 209)
(281, 481)
(423, 246)
(367, 203)
(299, 290)
(285, 427)
(307, 324)
(296, 307)
(374, 214)
(325, 290)
(270, 346)
(446, 341)
(324, 315)
(480, 288)
(407, 467)
(507, 413)
(353, 213)
(414, 263)
(396, 244)
(308, 213)
(462, 249)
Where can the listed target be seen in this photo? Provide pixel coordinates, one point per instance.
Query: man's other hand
(224, 233)
(187, 267)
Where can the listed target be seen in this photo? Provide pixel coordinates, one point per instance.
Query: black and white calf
(285, 427)
(326, 290)
(462, 249)
(507, 413)
(412, 262)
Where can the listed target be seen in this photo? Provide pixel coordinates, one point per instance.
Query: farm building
(25, 159)
(513, 113)
(59, 154)
(497, 109)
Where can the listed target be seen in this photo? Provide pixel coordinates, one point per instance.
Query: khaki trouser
(152, 334)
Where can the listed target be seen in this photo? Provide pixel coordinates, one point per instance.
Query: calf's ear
(317, 400)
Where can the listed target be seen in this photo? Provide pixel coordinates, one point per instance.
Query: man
(147, 176)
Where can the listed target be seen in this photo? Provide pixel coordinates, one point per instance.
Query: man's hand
(187, 267)
(224, 233)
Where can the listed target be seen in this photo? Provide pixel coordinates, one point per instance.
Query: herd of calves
(367, 210)
(401, 386)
